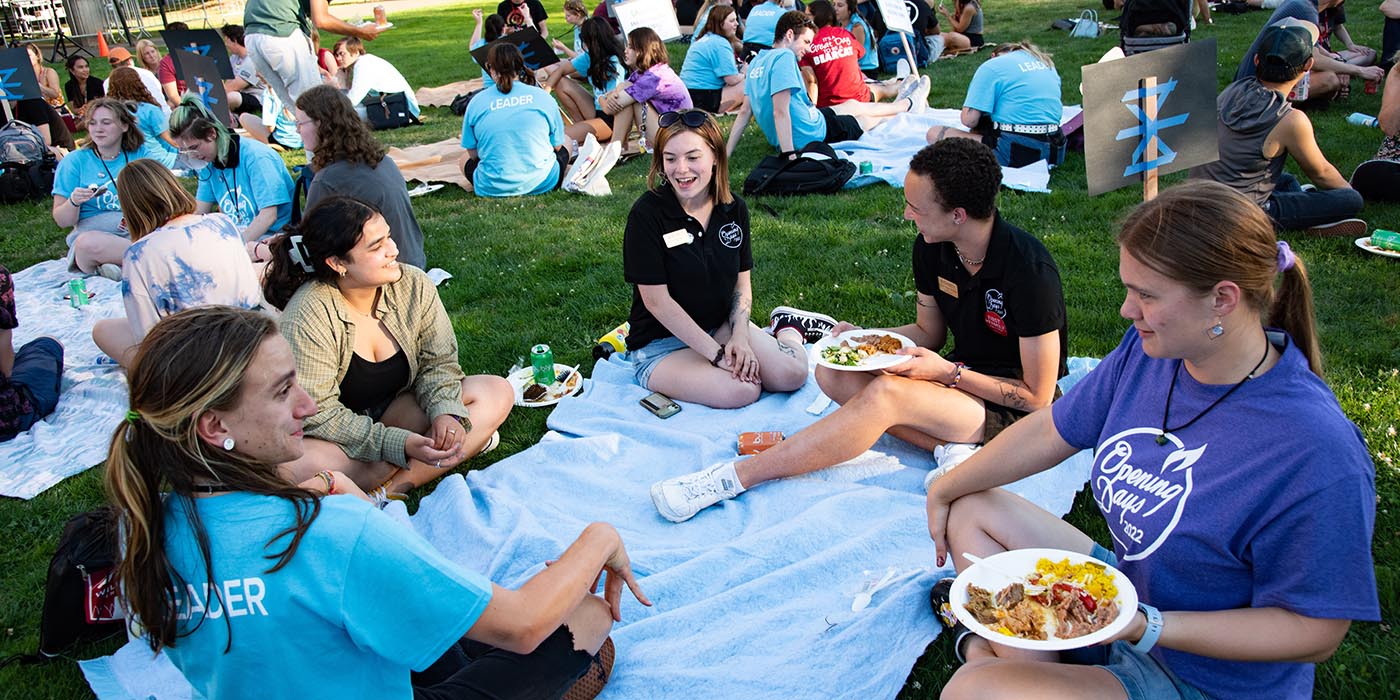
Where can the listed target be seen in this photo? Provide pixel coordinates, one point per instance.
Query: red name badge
(994, 322)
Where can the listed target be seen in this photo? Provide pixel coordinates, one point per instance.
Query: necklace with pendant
(1162, 439)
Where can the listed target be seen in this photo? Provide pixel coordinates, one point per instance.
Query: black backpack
(816, 170)
(27, 165)
(388, 111)
(460, 102)
(81, 593)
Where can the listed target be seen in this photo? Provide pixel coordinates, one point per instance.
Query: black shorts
(999, 418)
(561, 154)
(707, 100)
(750, 50)
(975, 39)
(840, 127)
(250, 105)
(475, 670)
(607, 118)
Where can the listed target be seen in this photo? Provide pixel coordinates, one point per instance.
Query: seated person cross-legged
(1259, 129)
(1013, 105)
(778, 99)
(85, 188)
(686, 253)
(992, 285)
(512, 132)
(178, 259)
(710, 71)
(30, 379)
(253, 586)
(375, 348)
(1225, 470)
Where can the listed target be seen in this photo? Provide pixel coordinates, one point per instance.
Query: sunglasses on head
(692, 118)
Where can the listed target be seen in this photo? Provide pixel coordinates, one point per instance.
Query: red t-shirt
(166, 73)
(835, 59)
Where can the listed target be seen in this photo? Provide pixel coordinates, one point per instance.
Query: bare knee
(590, 623)
(489, 396)
(737, 394)
(790, 375)
(974, 681)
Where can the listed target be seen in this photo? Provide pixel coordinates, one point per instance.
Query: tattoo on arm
(1013, 396)
(739, 308)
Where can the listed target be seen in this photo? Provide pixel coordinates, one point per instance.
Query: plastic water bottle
(1360, 119)
(613, 341)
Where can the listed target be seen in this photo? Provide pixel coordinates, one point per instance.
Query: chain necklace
(965, 261)
(1162, 439)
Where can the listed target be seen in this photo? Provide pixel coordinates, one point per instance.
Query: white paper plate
(525, 377)
(425, 188)
(1364, 243)
(876, 362)
(1023, 560)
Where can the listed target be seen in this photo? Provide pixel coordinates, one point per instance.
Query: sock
(728, 478)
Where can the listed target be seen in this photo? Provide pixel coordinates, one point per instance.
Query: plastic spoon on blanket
(863, 598)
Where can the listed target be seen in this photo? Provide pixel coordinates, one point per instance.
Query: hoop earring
(228, 444)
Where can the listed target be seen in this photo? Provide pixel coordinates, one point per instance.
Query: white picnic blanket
(752, 597)
(889, 146)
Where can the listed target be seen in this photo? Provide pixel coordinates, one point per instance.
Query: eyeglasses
(693, 118)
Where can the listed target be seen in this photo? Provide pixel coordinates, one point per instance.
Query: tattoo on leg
(785, 348)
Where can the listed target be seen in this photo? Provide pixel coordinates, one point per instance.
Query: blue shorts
(644, 359)
(1142, 676)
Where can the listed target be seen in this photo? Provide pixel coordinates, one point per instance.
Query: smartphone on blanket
(660, 405)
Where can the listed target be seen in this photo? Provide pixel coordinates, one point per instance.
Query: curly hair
(125, 84)
(340, 133)
(965, 174)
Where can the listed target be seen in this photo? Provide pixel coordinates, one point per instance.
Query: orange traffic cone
(102, 50)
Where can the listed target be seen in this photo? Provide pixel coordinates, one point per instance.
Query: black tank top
(368, 385)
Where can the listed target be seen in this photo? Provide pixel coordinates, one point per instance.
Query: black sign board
(202, 78)
(205, 42)
(532, 46)
(17, 81)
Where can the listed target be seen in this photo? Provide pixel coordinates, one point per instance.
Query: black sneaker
(938, 597)
(813, 326)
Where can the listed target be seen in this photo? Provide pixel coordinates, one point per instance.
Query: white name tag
(680, 237)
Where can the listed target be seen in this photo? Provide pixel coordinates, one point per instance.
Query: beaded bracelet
(329, 478)
(957, 374)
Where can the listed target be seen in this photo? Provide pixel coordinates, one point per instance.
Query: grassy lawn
(549, 269)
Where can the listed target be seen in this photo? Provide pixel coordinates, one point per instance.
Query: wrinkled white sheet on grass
(752, 597)
(889, 146)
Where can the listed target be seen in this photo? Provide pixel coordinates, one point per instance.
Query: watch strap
(1153, 631)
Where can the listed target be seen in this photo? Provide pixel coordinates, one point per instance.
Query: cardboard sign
(659, 15)
(17, 81)
(532, 46)
(205, 42)
(202, 78)
(899, 17)
(1124, 124)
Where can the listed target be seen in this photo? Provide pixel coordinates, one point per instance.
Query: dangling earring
(228, 444)
(342, 272)
(1215, 331)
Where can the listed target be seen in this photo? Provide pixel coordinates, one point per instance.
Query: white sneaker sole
(658, 499)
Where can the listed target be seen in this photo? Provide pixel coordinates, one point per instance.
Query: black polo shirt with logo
(699, 265)
(1015, 295)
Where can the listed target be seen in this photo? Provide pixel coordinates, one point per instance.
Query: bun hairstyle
(331, 229)
(1200, 233)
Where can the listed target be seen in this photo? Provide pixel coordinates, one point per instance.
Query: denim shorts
(104, 222)
(644, 359)
(1019, 150)
(1142, 676)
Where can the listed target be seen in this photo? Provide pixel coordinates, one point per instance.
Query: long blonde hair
(141, 51)
(190, 363)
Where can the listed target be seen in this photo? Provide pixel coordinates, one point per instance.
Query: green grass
(548, 269)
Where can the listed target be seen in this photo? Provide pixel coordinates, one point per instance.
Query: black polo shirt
(1015, 295)
(699, 265)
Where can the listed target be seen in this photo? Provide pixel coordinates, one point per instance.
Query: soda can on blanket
(77, 292)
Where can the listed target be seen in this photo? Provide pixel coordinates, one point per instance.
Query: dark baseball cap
(1288, 43)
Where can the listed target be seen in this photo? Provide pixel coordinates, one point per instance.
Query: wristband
(1154, 628)
(329, 479)
(957, 374)
(719, 355)
(465, 421)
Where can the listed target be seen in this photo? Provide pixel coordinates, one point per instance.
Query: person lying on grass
(252, 585)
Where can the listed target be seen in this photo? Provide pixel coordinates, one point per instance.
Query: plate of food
(862, 350)
(567, 382)
(1043, 599)
(1364, 243)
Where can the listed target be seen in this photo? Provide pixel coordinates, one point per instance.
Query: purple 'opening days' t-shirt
(1267, 501)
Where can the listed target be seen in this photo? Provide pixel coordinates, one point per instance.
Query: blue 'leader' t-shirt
(762, 23)
(1016, 88)
(514, 134)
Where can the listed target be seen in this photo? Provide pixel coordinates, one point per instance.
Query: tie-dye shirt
(198, 262)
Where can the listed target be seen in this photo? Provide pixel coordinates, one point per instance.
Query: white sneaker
(902, 69)
(680, 498)
(947, 456)
(919, 98)
(111, 271)
(907, 87)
